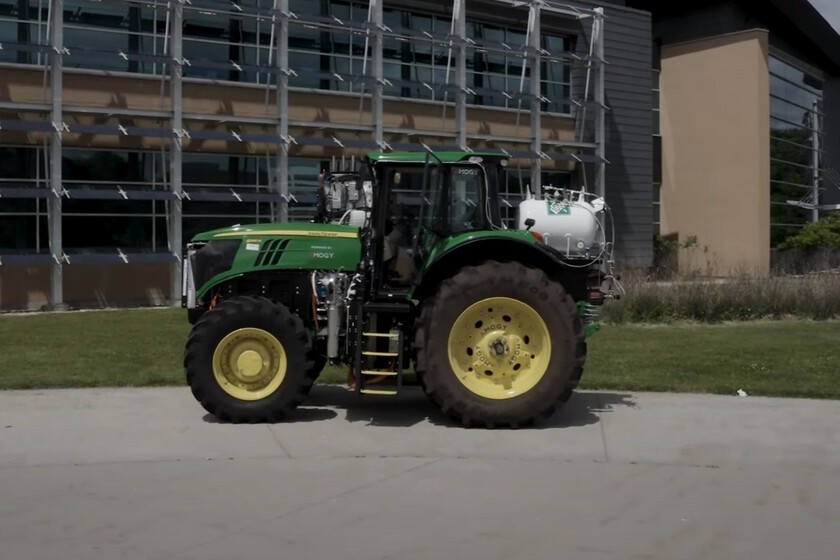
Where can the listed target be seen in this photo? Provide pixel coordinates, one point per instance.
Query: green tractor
(407, 265)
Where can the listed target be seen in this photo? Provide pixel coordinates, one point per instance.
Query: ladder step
(391, 373)
(393, 354)
(378, 392)
(382, 335)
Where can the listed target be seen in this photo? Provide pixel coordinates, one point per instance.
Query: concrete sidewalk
(145, 473)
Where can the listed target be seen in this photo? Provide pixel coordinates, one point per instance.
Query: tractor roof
(420, 156)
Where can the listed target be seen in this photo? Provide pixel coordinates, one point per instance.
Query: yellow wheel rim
(499, 348)
(249, 364)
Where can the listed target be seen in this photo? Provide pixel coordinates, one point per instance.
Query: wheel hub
(499, 348)
(249, 364)
(505, 357)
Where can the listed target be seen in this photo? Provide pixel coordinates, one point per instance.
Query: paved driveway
(145, 474)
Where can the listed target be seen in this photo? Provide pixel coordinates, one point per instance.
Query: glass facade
(96, 215)
(125, 195)
(796, 140)
(89, 222)
(23, 221)
(656, 82)
(328, 44)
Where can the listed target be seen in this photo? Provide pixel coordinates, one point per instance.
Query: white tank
(572, 225)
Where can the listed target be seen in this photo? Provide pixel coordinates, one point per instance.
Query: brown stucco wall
(716, 152)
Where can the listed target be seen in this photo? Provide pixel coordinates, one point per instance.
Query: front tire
(502, 345)
(249, 360)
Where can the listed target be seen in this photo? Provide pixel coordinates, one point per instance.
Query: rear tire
(249, 360)
(319, 357)
(500, 345)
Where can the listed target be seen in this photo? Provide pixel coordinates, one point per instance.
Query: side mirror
(529, 223)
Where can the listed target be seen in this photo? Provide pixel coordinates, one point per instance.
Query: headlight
(187, 280)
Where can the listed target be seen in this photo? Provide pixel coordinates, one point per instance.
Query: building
(126, 125)
(747, 144)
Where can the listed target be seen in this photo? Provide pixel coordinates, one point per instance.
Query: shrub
(824, 233)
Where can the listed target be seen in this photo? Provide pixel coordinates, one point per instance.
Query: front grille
(212, 259)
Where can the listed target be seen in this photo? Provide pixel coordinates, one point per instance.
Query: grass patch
(144, 347)
(134, 347)
(770, 358)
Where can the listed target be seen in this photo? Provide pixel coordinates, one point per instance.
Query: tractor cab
(420, 199)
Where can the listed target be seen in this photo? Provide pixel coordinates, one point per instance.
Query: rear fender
(474, 252)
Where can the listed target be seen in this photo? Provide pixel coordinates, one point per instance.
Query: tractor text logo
(322, 255)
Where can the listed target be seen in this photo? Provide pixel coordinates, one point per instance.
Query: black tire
(257, 313)
(506, 280)
(319, 362)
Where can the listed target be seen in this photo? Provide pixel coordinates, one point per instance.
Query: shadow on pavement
(301, 414)
(413, 407)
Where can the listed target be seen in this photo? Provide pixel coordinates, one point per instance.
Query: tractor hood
(219, 255)
(280, 230)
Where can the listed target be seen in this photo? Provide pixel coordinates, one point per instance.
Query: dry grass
(744, 298)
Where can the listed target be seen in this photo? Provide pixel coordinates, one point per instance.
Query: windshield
(435, 200)
(466, 196)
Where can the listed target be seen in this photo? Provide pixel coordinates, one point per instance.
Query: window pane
(796, 133)
(18, 233)
(17, 163)
(8, 29)
(306, 65)
(82, 42)
(88, 232)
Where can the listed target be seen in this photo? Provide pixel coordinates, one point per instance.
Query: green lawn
(143, 347)
(93, 349)
(772, 358)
